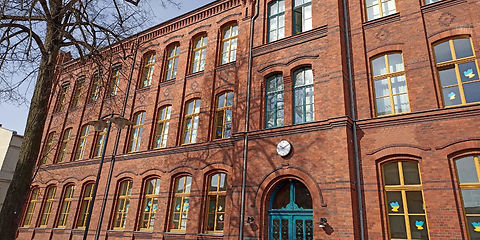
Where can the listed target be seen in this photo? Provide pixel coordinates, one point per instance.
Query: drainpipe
(247, 120)
(354, 120)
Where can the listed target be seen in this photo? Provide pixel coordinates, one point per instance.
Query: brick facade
(323, 156)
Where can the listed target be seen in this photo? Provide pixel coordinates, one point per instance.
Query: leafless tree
(33, 34)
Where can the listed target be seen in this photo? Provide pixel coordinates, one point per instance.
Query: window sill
(192, 75)
(440, 4)
(383, 20)
(167, 82)
(225, 65)
(143, 89)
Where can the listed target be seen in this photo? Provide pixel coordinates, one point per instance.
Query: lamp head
(121, 122)
(99, 125)
(323, 222)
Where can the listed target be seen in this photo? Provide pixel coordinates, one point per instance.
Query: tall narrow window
(150, 204)
(379, 8)
(390, 85)
(302, 16)
(217, 191)
(404, 201)
(115, 80)
(62, 97)
(77, 93)
(468, 171)
(181, 204)
(136, 134)
(96, 86)
(229, 44)
(147, 74)
(458, 71)
(123, 203)
(82, 142)
(223, 116)
(274, 113)
(276, 20)
(172, 62)
(161, 129)
(191, 121)
(100, 140)
(47, 150)
(31, 207)
(303, 96)
(85, 202)
(64, 145)
(431, 1)
(47, 206)
(65, 207)
(199, 54)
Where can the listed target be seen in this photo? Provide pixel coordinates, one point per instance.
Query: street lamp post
(104, 122)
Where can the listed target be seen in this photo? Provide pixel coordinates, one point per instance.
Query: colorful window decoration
(31, 207)
(150, 204)
(274, 105)
(47, 206)
(468, 172)
(96, 86)
(77, 93)
(82, 142)
(276, 20)
(48, 148)
(199, 54)
(63, 147)
(136, 134)
(148, 66)
(458, 71)
(100, 140)
(85, 202)
(180, 204)
(379, 8)
(62, 97)
(391, 95)
(65, 207)
(217, 191)
(404, 201)
(303, 111)
(229, 44)
(191, 121)
(172, 62)
(114, 80)
(161, 129)
(223, 116)
(302, 16)
(122, 205)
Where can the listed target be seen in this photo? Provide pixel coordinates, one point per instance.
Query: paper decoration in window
(451, 96)
(476, 226)
(395, 206)
(419, 225)
(469, 73)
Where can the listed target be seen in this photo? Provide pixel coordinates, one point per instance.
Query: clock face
(284, 148)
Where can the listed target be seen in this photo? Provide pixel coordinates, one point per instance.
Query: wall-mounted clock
(284, 148)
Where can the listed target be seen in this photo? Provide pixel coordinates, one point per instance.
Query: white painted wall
(10, 144)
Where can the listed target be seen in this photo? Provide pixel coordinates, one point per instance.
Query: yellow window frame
(86, 201)
(136, 134)
(190, 118)
(182, 196)
(121, 210)
(65, 207)
(222, 111)
(115, 80)
(170, 73)
(63, 148)
(31, 207)
(217, 193)
(47, 207)
(162, 122)
(152, 196)
(48, 148)
(77, 95)
(100, 141)
(148, 67)
(62, 97)
(196, 65)
(228, 39)
(380, 8)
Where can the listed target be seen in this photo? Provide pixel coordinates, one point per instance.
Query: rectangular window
(85, 205)
(274, 106)
(47, 206)
(276, 20)
(223, 116)
(47, 150)
(150, 204)
(147, 74)
(180, 204)
(115, 80)
(215, 212)
(97, 151)
(390, 85)
(191, 121)
(63, 147)
(229, 44)
(302, 16)
(303, 96)
(82, 142)
(136, 134)
(161, 129)
(457, 71)
(199, 54)
(62, 97)
(172, 62)
(379, 8)
(77, 93)
(65, 207)
(95, 87)
(31, 207)
(123, 203)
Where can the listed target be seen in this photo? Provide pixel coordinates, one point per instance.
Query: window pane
(213, 183)
(410, 173)
(395, 62)
(442, 52)
(383, 106)
(418, 227)
(448, 77)
(468, 71)
(282, 197)
(381, 88)
(415, 202)
(471, 201)
(474, 227)
(302, 196)
(466, 170)
(390, 172)
(401, 103)
(388, 8)
(472, 92)
(394, 202)
(373, 12)
(378, 66)
(463, 47)
(397, 227)
(451, 96)
(221, 101)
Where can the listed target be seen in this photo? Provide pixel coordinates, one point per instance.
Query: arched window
(161, 129)
(148, 66)
(82, 142)
(95, 86)
(62, 97)
(180, 204)
(404, 201)
(302, 16)
(150, 204)
(303, 96)
(136, 134)
(63, 146)
(77, 93)
(276, 20)
(122, 205)
(229, 44)
(172, 62)
(47, 205)
(47, 149)
(85, 202)
(67, 199)
(114, 80)
(391, 95)
(215, 212)
(379, 8)
(31, 207)
(199, 54)
(468, 172)
(458, 71)
(100, 140)
(274, 113)
(191, 121)
(223, 115)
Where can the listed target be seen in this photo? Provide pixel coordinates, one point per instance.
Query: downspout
(354, 120)
(247, 121)
(117, 140)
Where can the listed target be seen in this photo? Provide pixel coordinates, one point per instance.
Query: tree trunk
(19, 188)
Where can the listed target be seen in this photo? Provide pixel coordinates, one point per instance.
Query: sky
(13, 116)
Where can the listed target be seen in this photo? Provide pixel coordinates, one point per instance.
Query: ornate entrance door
(291, 213)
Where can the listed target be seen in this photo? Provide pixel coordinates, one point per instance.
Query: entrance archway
(290, 214)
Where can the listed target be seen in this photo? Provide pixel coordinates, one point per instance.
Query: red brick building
(215, 91)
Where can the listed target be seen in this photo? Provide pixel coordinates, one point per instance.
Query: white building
(10, 144)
